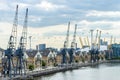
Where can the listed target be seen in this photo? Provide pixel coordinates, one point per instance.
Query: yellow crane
(81, 42)
(85, 42)
(99, 40)
(111, 40)
(96, 38)
(88, 41)
(109, 46)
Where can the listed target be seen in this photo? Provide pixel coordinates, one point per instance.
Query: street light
(30, 41)
(91, 38)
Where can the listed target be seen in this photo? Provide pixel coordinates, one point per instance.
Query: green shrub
(43, 63)
(31, 67)
(55, 64)
(76, 61)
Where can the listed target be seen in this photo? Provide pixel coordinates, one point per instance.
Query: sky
(48, 20)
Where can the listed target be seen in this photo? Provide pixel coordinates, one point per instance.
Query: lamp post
(91, 38)
(30, 41)
(41, 61)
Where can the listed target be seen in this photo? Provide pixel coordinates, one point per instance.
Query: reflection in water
(102, 72)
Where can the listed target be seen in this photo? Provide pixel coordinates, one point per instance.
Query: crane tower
(8, 66)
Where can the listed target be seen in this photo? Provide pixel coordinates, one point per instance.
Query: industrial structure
(95, 47)
(20, 66)
(42, 54)
(41, 46)
(9, 67)
(73, 46)
(65, 49)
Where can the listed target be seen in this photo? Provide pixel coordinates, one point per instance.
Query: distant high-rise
(103, 42)
(41, 46)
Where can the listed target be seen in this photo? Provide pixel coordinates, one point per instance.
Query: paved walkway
(36, 73)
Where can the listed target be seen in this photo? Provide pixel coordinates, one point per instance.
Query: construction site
(18, 62)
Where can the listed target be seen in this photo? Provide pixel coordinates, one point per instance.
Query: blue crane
(95, 47)
(73, 46)
(20, 66)
(65, 50)
(8, 66)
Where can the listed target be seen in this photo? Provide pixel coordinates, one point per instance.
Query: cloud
(103, 25)
(54, 36)
(103, 14)
(48, 6)
(4, 6)
(34, 18)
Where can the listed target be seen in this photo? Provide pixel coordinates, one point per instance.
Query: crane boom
(99, 40)
(81, 42)
(111, 40)
(13, 38)
(23, 39)
(67, 37)
(74, 38)
(85, 41)
(92, 38)
(88, 41)
(96, 37)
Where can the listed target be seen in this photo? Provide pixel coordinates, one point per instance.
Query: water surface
(105, 71)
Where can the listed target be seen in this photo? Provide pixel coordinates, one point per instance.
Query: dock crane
(20, 52)
(85, 42)
(95, 47)
(96, 38)
(8, 66)
(99, 40)
(81, 42)
(111, 40)
(67, 37)
(88, 41)
(73, 46)
(65, 50)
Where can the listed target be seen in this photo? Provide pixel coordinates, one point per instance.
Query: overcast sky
(48, 19)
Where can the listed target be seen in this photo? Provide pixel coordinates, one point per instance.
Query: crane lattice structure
(65, 50)
(73, 46)
(20, 66)
(74, 38)
(95, 47)
(67, 37)
(8, 66)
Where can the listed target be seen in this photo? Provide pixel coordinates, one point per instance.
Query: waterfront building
(116, 50)
(1, 58)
